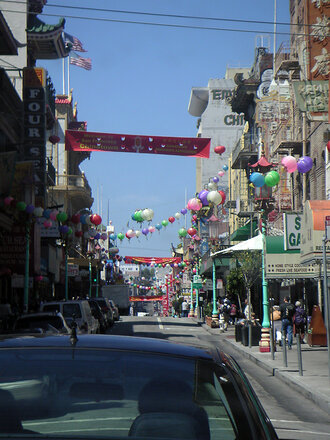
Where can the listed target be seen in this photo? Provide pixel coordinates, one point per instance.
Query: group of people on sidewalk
(294, 320)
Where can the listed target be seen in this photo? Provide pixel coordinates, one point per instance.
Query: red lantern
(328, 146)
(223, 195)
(171, 219)
(75, 218)
(96, 219)
(79, 234)
(219, 149)
(192, 231)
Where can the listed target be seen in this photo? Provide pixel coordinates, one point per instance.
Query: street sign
(197, 285)
(197, 279)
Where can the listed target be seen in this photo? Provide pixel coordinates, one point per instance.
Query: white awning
(253, 244)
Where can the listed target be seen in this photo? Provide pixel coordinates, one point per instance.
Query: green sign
(197, 285)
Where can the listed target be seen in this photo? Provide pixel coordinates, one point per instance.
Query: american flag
(73, 43)
(85, 63)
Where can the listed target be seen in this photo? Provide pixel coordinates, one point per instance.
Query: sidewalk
(314, 384)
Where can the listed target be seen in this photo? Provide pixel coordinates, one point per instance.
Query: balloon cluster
(142, 215)
(49, 217)
(303, 165)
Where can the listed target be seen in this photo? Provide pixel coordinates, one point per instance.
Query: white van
(79, 310)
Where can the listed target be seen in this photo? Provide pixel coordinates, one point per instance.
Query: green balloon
(69, 231)
(62, 217)
(182, 232)
(21, 206)
(272, 178)
(139, 217)
(164, 223)
(120, 236)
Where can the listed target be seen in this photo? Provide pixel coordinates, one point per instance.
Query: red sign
(77, 140)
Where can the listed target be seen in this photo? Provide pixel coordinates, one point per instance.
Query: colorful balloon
(214, 197)
(182, 233)
(165, 223)
(183, 211)
(152, 229)
(38, 211)
(219, 149)
(202, 195)
(215, 179)
(112, 236)
(304, 164)
(257, 179)
(290, 163)
(62, 216)
(177, 215)
(221, 173)
(192, 231)
(171, 219)
(29, 209)
(194, 204)
(158, 226)
(223, 196)
(121, 236)
(145, 231)
(225, 167)
(272, 178)
(21, 206)
(96, 219)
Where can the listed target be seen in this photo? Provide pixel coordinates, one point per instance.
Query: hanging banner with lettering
(146, 298)
(76, 140)
(152, 260)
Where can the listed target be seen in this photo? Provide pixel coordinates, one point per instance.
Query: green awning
(244, 232)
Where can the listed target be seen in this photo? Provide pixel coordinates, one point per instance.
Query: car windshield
(97, 393)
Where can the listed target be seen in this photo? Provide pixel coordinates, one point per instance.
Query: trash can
(238, 332)
(255, 336)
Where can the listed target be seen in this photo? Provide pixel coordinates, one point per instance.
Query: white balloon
(137, 234)
(38, 211)
(177, 215)
(88, 220)
(212, 186)
(214, 197)
(131, 233)
(147, 214)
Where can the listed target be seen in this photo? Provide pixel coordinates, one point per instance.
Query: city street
(293, 415)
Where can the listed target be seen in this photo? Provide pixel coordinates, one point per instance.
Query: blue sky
(140, 83)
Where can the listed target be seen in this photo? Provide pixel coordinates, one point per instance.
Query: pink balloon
(290, 163)
(221, 173)
(152, 229)
(194, 204)
(53, 215)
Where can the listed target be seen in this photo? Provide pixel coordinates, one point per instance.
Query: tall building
(218, 122)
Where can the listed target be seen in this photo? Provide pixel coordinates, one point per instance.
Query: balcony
(285, 139)
(76, 189)
(286, 58)
(245, 152)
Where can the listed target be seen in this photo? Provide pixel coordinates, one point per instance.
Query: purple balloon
(215, 179)
(145, 231)
(29, 209)
(63, 229)
(97, 236)
(203, 197)
(183, 211)
(304, 164)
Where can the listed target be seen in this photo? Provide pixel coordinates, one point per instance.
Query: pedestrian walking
(299, 321)
(287, 312)
(225, 312)
(184, 308)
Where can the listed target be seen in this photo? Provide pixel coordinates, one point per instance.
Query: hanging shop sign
(292, 231)
(177, 146)
(34, 97)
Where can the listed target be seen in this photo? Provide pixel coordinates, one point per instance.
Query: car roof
(111, 342)
(40, 314)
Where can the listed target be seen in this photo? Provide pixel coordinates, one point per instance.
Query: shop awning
(244, 232)
(253, 244)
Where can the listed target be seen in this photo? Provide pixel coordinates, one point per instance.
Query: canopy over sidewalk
(253, 244)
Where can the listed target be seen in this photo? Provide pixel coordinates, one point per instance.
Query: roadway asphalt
(314, 383)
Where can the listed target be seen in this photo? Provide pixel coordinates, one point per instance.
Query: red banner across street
(146, 298)
(152, 260)
(77, 140)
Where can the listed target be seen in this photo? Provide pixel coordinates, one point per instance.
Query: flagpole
(63, 77)
(68, 74)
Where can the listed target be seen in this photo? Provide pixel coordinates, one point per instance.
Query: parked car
(115, 310)
(106, 386)
(77, 310)
(106, 309)
(97, 313)
(43, 322)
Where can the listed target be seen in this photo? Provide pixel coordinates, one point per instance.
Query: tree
(235, 285)
(250, 265)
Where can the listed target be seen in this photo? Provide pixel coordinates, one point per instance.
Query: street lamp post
(215, 315)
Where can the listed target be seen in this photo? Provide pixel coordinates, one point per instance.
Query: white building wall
(219, 123)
